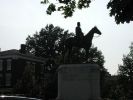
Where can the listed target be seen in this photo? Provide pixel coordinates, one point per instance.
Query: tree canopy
(127, 68)
(125, 73)
(122, 10)
(47, 42)
(66, 6)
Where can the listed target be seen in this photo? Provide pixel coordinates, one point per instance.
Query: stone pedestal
(78, 82)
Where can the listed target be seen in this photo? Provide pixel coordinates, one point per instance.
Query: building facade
(13, 64)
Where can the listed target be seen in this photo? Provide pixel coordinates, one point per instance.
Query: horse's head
(96, 30)
(90, 34)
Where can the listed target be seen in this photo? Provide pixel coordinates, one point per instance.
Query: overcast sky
(20, 18)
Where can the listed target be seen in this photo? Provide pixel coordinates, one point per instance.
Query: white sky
(20, 18)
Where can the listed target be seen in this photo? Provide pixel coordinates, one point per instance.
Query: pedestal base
(79, 82)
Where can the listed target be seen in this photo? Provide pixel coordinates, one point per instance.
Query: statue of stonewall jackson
(80, 40)
(79, 34)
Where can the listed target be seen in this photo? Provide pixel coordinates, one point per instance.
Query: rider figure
(79, 33)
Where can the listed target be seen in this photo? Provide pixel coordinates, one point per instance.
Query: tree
(29, 84)
(26, 83)
(126, 73)
(122, 10)
(49, 43)
(67, 6)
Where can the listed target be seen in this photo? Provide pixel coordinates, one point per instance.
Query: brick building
(12, 65)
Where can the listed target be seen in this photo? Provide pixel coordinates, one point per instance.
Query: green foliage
(44, 1)
(51, 9)
(127, 68)
(122, 10)
(48, 43)
(69, 9)
(126, 73)
(83, 3)
(67, 6)
(29, 84)
(95, 56)
(105, 83)
(51, 86)
(26, 83)
(113, 89)
(120, 87)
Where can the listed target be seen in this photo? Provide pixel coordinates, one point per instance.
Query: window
(33, 71)
(33, 67)
(28, 63)
(0, 80)
(1, 65)
(8, 79)
(42, 68)
(9, 64)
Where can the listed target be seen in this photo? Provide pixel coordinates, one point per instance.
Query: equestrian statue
(80, 40)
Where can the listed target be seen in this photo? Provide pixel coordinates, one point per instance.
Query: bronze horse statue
(85, 42)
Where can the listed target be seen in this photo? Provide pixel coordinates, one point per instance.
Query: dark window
(9, 64)
(0, 80)
(1, 65)
(8, 79)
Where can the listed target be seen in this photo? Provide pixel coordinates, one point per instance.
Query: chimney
(23, 49)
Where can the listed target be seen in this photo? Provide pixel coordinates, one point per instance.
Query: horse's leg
(86, 50)
(64, 55)
(87, 54)
(69, 55)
